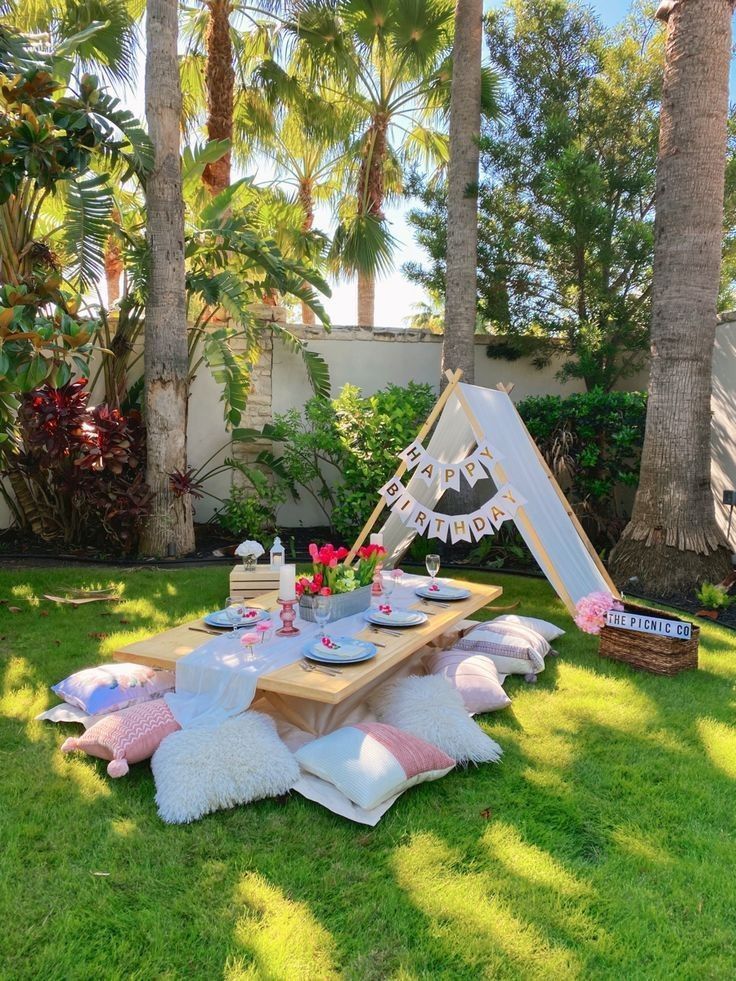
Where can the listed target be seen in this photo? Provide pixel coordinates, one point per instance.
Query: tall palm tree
(390, 68)
(170, 528)
(458, 348)
(225, 40)
(672, 540)
(306, 139)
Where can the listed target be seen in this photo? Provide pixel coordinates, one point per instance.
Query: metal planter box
(341, 604)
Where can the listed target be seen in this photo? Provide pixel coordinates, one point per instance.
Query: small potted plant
(348, 587)
(249, 552)
(713, 599)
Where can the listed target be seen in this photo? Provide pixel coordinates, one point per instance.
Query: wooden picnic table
(164, 650)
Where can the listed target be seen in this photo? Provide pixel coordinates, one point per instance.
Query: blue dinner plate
(396, 618)
(365, 651)
(220, 618)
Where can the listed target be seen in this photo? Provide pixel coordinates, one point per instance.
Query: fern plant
(713, 597)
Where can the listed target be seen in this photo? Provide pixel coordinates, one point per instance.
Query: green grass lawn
(601, 847)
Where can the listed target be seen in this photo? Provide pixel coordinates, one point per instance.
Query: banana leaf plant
(234, 258)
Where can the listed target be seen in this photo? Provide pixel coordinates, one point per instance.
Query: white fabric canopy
(551, 536)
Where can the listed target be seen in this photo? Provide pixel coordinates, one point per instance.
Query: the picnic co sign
(647, 624)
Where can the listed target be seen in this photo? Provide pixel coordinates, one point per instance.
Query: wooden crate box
(245, 585)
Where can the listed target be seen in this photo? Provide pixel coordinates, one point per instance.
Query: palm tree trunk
(307, 203)
(673, 540)
(113, 265)
(370, 202)
(169, 529)
(366, 299)
(220, 85)
(458, 347)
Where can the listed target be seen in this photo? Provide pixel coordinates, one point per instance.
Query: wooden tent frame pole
(453, 379)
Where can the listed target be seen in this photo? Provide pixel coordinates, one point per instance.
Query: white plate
(348, 651)
(442, 592)
(396, 618)
(221, 619)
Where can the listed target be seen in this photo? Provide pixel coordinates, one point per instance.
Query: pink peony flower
(591, 611)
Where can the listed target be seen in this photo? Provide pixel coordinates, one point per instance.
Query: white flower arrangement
(254, 549)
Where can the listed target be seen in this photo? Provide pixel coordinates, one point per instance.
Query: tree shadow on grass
(600, 847)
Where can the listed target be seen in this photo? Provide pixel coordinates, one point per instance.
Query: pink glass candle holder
(288, 616)
(377, 586)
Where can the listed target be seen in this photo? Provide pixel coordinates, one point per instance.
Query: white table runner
(215, 681)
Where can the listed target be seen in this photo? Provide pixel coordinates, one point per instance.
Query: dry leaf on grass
(14, 609)
(98, 635)
(487, 813)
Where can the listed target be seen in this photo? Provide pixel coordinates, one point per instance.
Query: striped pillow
(371, 762)
(513, 647)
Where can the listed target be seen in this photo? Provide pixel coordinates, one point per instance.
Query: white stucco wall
(370, 359)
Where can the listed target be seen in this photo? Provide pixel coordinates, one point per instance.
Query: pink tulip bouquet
(591, 611)
(331, 576)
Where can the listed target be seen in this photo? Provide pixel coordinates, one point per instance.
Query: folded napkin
(342, 647)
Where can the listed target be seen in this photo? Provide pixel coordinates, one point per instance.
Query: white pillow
(473, 675)
(550, 631)
(513, 648)
(370, 762)
(200, 770)
(430, 708)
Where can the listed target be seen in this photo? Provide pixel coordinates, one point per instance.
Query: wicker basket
(650, 652)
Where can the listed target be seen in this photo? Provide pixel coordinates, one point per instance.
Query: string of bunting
(473, 468)
(459, 527)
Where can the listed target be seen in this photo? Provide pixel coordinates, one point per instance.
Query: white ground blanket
(213, 683)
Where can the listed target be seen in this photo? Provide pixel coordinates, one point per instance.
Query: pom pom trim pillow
(431, 709)
(550, 631)
(513, 647)
(126, 737)
(370, 762)
(473, 675)
(111, 687)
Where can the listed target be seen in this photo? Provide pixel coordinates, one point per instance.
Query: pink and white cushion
(473, 675)
(126, 737)
(112, 687)
(371, 762)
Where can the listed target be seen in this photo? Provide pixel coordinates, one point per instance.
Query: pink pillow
(128, 736)
(475, 677)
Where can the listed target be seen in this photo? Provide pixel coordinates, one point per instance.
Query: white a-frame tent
(466, 415)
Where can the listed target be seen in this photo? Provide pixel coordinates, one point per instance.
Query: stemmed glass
(234, 613)
(388, 581)
(321, 610)
(432, 563)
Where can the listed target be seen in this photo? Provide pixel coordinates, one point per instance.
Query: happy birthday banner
(473, 468)
(460, 527)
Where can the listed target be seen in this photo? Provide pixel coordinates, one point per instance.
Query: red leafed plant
(81, 470)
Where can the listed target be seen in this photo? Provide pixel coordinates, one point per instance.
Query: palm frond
(317, 369)
(87, 226)
(362, 244)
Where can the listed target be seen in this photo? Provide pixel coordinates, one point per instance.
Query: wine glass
(234, 612)
(432, 563)
(388, 581)
(321, 610)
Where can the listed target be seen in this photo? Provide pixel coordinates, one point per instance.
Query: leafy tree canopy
(567, 190)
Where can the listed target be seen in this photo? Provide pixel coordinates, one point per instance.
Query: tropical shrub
(79, 471)
(342, 451)
(250, 512)
(592, 443)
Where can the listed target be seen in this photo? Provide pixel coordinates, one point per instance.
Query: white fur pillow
(430, 708)
(200, 770)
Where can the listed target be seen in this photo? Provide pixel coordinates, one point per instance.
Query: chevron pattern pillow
(126, 737)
